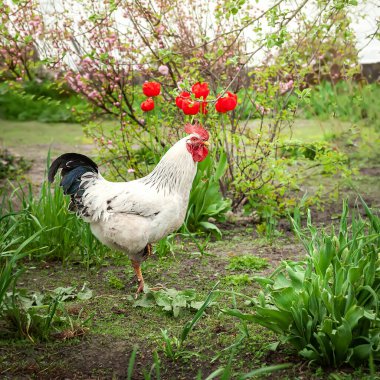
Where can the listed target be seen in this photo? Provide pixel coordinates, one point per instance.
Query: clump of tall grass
(347, 101)
(12, 250)
(327, 306)
(32, 316)
(63, 236)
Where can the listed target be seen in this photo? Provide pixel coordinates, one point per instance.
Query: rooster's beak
(206, 143)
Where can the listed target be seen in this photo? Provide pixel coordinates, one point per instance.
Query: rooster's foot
(139, 289)
(137, 268)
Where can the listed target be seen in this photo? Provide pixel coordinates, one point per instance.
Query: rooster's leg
(137, 268)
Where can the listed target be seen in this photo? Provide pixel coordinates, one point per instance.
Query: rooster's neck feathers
(175, 172)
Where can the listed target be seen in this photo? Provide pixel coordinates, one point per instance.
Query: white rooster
(130, 216)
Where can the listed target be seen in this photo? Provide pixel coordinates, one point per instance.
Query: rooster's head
(197, 142)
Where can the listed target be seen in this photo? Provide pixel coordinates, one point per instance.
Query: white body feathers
(128, 215)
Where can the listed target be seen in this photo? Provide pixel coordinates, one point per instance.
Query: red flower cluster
(188, 104)
(150, 89)
(226, 103)
(147, 105)
(181, 97)
(201, 90)
(190, 107)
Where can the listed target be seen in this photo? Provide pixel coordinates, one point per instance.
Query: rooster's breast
(169, 219)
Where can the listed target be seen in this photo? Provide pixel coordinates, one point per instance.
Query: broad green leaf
(265, 370)
(222, 166)
(341, 340)
(85, 294)
(353, 315)
(163, 300)
(211, 227)
(285, 298)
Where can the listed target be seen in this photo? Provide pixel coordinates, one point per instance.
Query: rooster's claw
(139, 289)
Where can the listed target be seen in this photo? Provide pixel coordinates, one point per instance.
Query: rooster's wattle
(130, 216)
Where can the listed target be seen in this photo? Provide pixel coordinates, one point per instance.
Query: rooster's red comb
(198, 129)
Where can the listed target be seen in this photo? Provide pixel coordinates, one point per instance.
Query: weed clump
(247, 262)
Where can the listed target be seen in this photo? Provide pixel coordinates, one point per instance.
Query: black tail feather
(74, 166)
(69, 161)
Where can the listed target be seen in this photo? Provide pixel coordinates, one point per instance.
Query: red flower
(226, 103)
(190, 107)
(219, 106)
(181, 97)
(200, 90)
(147, 105)
(151, 88)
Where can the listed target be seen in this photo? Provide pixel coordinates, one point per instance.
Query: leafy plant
(114, 281)
(327, 306)
(170, 300)
(238, 279)
(173, 346)
(206, 200)
(238, 263)
(37, 316)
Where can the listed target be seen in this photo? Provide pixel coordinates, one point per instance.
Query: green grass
(28, 133)
(118, 326)
(307, 130)
(31, 133)
(241, 263)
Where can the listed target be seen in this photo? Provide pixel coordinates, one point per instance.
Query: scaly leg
(148, 251)
(137, 268)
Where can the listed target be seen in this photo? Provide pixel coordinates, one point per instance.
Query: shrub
(327, 306)
(12, 166)
(45, 104)
(109, 65)
(347, 101)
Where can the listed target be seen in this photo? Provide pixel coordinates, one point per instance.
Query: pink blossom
(160, 29)
(261, 109)
(87, 60)
(163, 69)
(285, 87)
(93, 94)
(130, 170)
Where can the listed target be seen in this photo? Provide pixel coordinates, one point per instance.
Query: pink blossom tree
(106, 50)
